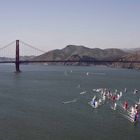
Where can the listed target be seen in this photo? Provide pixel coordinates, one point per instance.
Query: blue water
(32, 108)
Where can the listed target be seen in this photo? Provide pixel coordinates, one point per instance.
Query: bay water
(44, 103)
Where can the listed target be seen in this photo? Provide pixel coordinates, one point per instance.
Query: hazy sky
(51, 24)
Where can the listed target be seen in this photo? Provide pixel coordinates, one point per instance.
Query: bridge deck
(65, 61)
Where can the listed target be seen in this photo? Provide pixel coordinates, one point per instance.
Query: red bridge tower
(17, 62)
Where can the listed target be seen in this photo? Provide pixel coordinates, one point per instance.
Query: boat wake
(83, 92)
(98, 73)
(129, 118)
(70, 101)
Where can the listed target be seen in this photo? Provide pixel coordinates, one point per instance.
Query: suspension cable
(7, 45)
(32, 46)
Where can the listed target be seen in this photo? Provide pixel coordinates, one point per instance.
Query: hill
(135, 56)
(74, 52)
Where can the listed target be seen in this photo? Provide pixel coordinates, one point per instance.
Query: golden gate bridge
(17, 60)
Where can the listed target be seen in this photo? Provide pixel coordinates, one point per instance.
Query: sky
(53, 24)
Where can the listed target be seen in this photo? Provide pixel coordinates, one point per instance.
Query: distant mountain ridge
(82, 53)
(134, 56)
(132, 50)
(74, 52)
(13, 59)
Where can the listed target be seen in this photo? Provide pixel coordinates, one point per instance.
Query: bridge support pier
(17, 62)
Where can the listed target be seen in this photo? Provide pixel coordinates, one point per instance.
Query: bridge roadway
(65, 61)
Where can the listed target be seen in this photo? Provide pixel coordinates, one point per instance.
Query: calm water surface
(31, 103)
